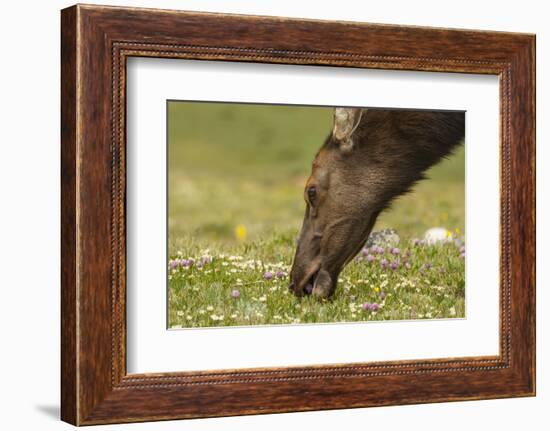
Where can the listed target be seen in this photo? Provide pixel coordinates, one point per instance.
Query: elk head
(370, 157)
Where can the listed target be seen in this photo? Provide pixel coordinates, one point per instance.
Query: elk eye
(311, 194)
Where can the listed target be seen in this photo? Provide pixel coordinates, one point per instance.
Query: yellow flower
(240, 232)
(377, 289)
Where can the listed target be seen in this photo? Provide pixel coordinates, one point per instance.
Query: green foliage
(429, 283)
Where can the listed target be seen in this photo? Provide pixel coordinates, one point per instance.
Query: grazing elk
(371, 157)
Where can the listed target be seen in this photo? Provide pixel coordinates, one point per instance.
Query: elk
(371, 157)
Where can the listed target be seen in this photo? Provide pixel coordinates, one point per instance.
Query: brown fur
(356, 177)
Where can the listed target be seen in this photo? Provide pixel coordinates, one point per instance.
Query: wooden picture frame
(95, 43)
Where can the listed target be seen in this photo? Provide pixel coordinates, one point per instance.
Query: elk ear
(346, 121)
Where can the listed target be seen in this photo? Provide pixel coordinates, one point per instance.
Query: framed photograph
(264, 214)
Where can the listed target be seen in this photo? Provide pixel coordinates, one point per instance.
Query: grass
(236, 175)
(428, 283)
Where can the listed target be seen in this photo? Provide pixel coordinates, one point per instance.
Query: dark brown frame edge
(95, 43)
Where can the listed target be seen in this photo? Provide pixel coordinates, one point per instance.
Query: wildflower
(370, 257)
(394, 265)
(380, 250)
(395, 250)
(199, 264)
(280, 274)
(240, 232)
(365, 251)
(268, 275)
(235, 294)
(210, 308)
(179, 313)
(462, 255)
(374, 307)
(376, 289)
(383, 263)
(190, 262)
(173, 264)
(383, 295)
(206, 260)
(262, 298)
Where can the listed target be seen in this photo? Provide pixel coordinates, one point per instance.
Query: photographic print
(281, 214)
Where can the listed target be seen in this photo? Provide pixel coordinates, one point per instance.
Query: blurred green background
(237, 172)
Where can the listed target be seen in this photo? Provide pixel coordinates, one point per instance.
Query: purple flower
(395, 250)
(173, 264)
(380, 250)
(184, 263)
(394, 265)
(280, 274)
(382, 295)
(367, 306)
(383, 263)
(206, 260)
(268, 275)
(463, 255)
(365, 251)
(462, 249)
(199, 264)
(370, 257)
(416, 241)
(190, 261)
(235, 294)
